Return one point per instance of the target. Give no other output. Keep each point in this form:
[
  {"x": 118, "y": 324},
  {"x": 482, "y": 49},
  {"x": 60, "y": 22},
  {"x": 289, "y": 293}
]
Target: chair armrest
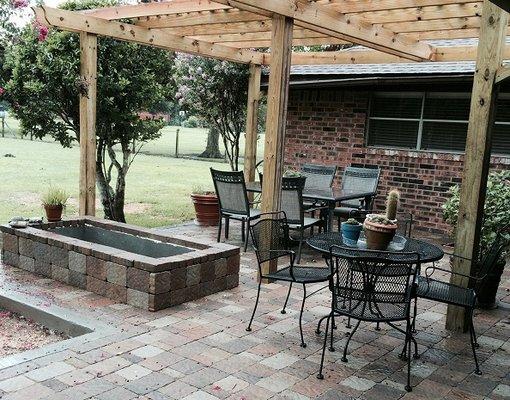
[
  {"x": 283, "y": 253},
  {"x": 458, "y": 256},
  {"x": 434, "y": 268}
]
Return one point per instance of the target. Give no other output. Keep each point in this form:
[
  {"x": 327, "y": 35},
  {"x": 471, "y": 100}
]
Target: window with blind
[{"x": 431, "y": 121}]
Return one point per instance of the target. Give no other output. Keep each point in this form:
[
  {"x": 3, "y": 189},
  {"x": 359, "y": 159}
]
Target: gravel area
[{"x": 18, "y": 334}]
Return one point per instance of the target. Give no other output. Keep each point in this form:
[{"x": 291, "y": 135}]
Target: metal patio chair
[
  {"x": 271, "y": 239},
  {"x": 358, "y": 179},
  {"x": 448, "y": 293},
  {"x": 318, "y": 177},
  {"x": 372, "y": 286},
  {"x": 291, "y": 202},
  {"x": 234, "y": 204}
]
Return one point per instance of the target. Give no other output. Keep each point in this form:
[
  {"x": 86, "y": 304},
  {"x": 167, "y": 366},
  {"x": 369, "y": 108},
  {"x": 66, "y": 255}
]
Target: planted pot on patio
[{"x": 207, "y": 208}]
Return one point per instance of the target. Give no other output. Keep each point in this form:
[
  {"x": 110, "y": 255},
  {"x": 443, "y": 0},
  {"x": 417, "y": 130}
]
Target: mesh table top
[{"x": 323, "y": 241}]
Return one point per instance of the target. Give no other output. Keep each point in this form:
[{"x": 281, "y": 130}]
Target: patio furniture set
[{"x": 372, "y": 286}]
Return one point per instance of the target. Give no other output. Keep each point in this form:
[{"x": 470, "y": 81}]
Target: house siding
[{"x": 328, "y": 126}]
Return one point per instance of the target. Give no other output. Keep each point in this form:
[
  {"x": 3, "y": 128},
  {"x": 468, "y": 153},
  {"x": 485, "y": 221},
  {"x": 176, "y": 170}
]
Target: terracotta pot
[
  {"x": 378, "y": 236},
  {"x": 207, "y": 209},
  {"x": 53, "y": 212}
]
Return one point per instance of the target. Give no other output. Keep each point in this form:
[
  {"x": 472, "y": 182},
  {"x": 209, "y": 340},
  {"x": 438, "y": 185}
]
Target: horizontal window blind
[{"x": 393, "y": 133}]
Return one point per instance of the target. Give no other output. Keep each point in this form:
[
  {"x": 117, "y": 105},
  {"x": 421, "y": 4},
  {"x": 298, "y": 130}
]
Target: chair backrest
[
  {"x": 360, "y": 179},
  {"x": 291, "y": 200},
  {"x": 318, "y": 176},
  {"x": 270, "y": 237},
  {"x": 231, "y": 191},
  {"x": 373, "y": 284},
  {"x": 491, "y": 258}
]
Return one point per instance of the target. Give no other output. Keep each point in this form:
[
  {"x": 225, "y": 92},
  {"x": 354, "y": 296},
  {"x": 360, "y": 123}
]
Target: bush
[
  {"x": 191, "y": 122},
  {"x": 496, "y": 211}
]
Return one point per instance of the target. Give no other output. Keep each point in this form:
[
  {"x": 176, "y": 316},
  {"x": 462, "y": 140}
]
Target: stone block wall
[
  {"x": 328, "y": 126},
  {"x": 141, "y": 281}
]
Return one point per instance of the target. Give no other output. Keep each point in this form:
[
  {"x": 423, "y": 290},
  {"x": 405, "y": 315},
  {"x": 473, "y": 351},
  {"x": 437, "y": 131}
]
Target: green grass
[{"x": 158, "y": 187}]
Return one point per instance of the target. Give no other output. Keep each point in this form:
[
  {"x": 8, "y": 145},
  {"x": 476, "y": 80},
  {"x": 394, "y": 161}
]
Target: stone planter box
[{"x": 199, "y": 269}]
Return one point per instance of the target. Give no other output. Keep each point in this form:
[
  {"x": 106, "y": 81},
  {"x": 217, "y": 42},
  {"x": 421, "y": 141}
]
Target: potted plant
[
  {"x": 351, "y": 229},
  {"x": 496, "y": 215},
  {"x": 207, "y": 207},
  {"x": 380, "y": 229},
  {"x": 54, "y": 201}
]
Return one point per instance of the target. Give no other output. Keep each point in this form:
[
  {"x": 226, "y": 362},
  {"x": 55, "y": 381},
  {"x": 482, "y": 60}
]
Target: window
[{"x": 431, "y": 121}]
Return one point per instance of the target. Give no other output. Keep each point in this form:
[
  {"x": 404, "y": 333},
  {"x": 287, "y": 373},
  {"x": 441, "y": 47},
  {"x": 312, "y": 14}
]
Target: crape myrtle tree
[
  {"x": 44, "y": 93},
  {"x": 216, "y": 91}
]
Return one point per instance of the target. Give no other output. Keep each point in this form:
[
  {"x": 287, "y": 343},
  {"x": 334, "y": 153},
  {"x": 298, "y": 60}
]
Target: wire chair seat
[
  {"x": 301, "y": 274},
  {"x": 433, "y": 289},
  {"x": 307, "y": 222}
]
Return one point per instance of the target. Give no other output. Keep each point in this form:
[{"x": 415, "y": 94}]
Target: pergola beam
[
  {"x": 72, "y": 21},
  {"x": 352, "y": 29},
  {"x": 154, "y": 8},
  {"x": 477, "y": 154},
  {"x": 356, "y": 6},
  {"x": 502, "y": 73}
]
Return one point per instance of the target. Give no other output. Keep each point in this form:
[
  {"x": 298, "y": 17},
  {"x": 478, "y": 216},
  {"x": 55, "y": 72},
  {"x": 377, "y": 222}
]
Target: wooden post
[
  {"x": 478, "y": 148},
  {"x": 277, "y": 97},
  {"x": 250, "y": 145},
  {"x": 177, "y": 143},
  {"x": 88, "y": 73}
]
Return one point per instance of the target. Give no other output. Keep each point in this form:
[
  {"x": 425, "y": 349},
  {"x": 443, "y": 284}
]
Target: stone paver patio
[{"x": 200, "y": 350}]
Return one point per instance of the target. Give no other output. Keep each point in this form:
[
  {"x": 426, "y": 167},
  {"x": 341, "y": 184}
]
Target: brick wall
[{"x": 328, "y": 127}]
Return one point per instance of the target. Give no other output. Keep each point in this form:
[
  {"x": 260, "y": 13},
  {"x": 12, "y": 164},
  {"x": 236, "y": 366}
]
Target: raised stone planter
[{"x": 142, "y": 281}]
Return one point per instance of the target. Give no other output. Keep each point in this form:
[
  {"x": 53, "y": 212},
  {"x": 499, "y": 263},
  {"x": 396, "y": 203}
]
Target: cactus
[{"x": 391, "y": 204}]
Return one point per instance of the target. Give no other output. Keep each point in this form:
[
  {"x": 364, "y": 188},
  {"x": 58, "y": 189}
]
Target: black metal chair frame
[
  {"x": 362, "y": 173},
  {"x": 425, "y": 287},
  {"x": 228, "y": 214},
  {"x": 272, "y": 255},
  {"x": 368, "y": 297},
  {"x": 298, "y": 184}
]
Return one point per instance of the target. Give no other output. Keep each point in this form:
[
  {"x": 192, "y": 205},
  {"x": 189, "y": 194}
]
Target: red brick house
[{"x": 408, "y": 119}]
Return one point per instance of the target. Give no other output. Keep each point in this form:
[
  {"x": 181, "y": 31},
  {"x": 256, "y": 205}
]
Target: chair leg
[
  {"x": 301, "y": 236},
  {"x": 227, "y": 226},
  {"x": 242, "y": 231},
  {"x": 472, "y": 336},
  {"x": 247, "y": 235},
  {"x": 344, "y": 358},
  {"x": 303, "y": 344},
  {"x": 312, "y": 214},
  {"x": 377, "y": 326},
  {"x": 318, "y": 330},
  {"x": 219, "y": 228},
  {"x": 248, "y": 329},
  {"x": 331, "y": 347},
  {"x": 413, "y": 326},
  {"x": 408, "y": 341},
  {"x": 319, "y": 375},
  {"x": 286, "y": 300}
]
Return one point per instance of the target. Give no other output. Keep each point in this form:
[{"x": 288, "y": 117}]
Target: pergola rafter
[{"x": 382, "y": 31}]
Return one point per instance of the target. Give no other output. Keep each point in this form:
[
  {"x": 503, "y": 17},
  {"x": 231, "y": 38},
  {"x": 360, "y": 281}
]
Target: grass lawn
[{"x": 158, "y": 187}]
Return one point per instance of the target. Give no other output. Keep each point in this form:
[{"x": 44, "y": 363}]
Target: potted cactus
[
  {"x": 380, "y": 229},
  {"x": 351, "y": 229},
  {"x": 54, "y": 201},
  {"x": 207, "y": 208}
]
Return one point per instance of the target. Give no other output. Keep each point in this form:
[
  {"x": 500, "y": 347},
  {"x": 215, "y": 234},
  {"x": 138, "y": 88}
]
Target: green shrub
[
  {"x": 55, "y": 197},
  {"x": 496, "y": 212},
  {"x": 191, "y": 122}
]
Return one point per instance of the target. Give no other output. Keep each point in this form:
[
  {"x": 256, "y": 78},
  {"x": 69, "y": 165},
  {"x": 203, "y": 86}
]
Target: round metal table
[{"x": 323, "y": 241}]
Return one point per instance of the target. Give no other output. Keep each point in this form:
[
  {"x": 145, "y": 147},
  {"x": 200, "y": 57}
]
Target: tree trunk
[{"x": 212, "y": 149}]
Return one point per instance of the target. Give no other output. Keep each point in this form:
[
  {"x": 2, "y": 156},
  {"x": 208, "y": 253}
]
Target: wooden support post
[
  {"x": 88, "y": 73},
  {"x": 277, "y": 97},
  {"x": 478, "y": 149},
  {"x": 250, "y": 144}
]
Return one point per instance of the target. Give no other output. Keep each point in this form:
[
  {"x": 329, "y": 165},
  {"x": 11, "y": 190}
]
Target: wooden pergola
[{"x": 385, "y": 31}]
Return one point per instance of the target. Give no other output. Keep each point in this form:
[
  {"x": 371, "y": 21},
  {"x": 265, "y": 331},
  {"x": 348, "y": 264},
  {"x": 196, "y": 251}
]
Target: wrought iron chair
[
  {"x": 234, "y": 204},
  {"x": 318, "y": 177},
  {"x": 372, "y": 286},
  {"x": 271, "y": 239},
  {"x": 449, "y": 293},
  {"x": 360, "y": 179},
  {"x": 291, "y": 202}
]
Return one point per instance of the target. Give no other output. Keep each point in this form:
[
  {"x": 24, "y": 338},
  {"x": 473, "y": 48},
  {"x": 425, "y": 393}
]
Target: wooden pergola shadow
[{"x": 385, "y": 31}]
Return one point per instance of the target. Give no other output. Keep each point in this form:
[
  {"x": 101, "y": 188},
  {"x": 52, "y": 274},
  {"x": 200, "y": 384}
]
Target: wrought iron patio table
[
  {"x": 330, "y": 196},
  {"x": 428, "y": 252}
]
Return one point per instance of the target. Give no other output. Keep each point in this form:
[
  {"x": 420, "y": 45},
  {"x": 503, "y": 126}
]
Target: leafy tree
[
  {"x": 217, "y": 91},
  {"x": 44, "y": 93}
]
